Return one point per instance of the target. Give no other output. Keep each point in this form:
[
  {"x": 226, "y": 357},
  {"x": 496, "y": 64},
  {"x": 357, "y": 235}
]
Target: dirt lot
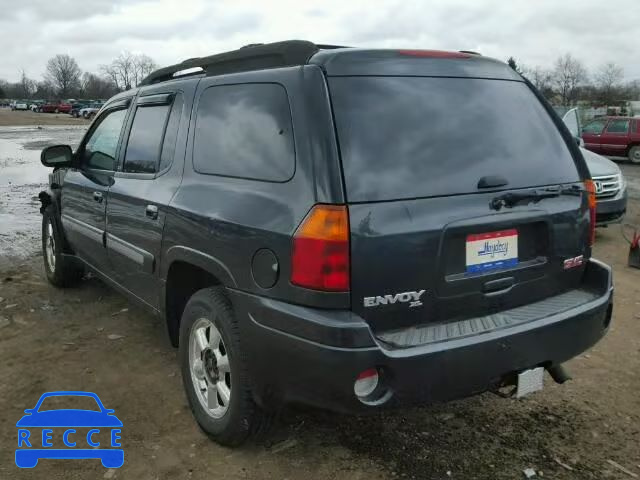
[
  {"x": 20, "y": 117},
  {"x": 60, "y": 339}
]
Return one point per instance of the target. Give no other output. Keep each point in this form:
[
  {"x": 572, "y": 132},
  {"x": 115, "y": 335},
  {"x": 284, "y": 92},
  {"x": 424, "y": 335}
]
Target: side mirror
[
  {"x": 579, "y": 141},
  {"x": 29, "y": 410},
  {"x": 56, "y": 156}
]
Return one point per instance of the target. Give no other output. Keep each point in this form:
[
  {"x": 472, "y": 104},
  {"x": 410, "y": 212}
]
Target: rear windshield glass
[{"x": 408, "y": 137}]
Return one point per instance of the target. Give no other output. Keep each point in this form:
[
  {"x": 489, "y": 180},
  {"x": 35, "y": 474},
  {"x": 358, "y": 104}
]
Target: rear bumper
[
  {"x": 611, "y": 210},
  {"x": 310, "y": 356}
]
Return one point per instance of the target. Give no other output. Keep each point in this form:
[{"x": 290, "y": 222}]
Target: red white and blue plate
[{"x": 492, "y": 251}]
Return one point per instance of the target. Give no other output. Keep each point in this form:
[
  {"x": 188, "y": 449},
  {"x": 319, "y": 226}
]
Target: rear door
[
  {"x": 615, "y": 138},
  {"x": 143, "y": 186},
  {"x": 591, "y": 134},
  {"x": 85, "y": 189},
  {"x": 424, "y": 158}
]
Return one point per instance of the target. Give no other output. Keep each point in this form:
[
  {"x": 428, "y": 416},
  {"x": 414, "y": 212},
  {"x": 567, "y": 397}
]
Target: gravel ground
[{"x": 60, "y": 339}]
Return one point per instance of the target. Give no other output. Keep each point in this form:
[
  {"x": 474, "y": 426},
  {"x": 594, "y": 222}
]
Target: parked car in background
[
  {"x": 614, "y": 136},
  {"x": 35, "y": 105},
  {"x": 51, "y": 107},
  {"x": 91, "y": 110},
  {"x": 20, "y": 105},
  {"x": 609, "y": 182},
  {"x": 75, "y": 109},
  {"x": 611, "y": 188}
]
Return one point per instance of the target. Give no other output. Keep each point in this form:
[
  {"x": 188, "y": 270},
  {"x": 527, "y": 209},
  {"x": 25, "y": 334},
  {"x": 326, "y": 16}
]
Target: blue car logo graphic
[{"x": 36, "y": 433}]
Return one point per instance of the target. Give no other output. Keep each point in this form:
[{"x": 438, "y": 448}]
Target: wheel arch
[
  {"x": 50, "y": 198},
  {"x": 635, "y": 143},
  {"x": 185, "y": 271}
]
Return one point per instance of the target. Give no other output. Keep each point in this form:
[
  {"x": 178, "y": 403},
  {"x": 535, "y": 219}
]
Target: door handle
[
  {"x": 97, "y": 196},
  {"x": 152, "y": 212}
]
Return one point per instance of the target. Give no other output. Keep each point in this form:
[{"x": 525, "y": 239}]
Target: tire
[
  {"x": 634, "y": 154},
  {"x": 61, "y": 270},
  {"x": 242, "y": 418}
]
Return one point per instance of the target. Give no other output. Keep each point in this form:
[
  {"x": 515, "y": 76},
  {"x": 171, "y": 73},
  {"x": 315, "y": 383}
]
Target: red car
[
  {"x": 55, "y": 108},
  {"x": 614, "y": 136}
]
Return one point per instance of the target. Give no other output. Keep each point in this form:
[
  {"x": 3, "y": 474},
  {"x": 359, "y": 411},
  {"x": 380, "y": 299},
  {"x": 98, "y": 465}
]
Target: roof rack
[{"x": 255, "y": 56}]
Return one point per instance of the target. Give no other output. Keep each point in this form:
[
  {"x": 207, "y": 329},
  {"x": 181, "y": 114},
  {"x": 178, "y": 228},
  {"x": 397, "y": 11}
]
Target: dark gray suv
[{"x": 338, "y": 227}]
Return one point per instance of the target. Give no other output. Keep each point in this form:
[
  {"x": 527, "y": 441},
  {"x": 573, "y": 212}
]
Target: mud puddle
[{"x": 22, "y": 177}]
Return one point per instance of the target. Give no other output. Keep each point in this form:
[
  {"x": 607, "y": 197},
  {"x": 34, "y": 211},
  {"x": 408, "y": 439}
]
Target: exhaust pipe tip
[{"x": 559, "y": 373}]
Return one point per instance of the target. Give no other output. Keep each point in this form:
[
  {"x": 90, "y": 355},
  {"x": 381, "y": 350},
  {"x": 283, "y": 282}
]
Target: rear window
[{"x": 407, "y": 137}]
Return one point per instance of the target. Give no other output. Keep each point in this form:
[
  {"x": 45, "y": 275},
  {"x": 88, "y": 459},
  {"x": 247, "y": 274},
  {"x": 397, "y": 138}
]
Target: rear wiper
[{"x": 511, "y": 199}]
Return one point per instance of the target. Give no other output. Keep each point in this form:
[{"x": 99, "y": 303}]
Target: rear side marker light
[
  {"x": 591, "y": 194},
  {"x": 320, "y": 252},
  {"x": 366, "y": 383}
]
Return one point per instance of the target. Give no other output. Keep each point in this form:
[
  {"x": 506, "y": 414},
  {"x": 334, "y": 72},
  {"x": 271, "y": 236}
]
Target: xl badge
[{"x": 412, "y": 298}]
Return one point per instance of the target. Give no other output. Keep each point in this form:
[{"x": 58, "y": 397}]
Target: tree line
[
  {"x": 568, "y": 81},
  {"x": 63, "y": 79}
]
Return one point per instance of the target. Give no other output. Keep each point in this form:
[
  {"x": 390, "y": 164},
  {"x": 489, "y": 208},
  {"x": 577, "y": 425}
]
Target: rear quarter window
[
  {"x": 244, "y": 131},
  {"x": 410, "y": 137}
]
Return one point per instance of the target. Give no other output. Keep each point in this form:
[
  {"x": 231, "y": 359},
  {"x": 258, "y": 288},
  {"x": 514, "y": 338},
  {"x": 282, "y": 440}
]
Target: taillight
[
  {"x": 591, "y": 193},
  {"x": 320, "y": 252}
]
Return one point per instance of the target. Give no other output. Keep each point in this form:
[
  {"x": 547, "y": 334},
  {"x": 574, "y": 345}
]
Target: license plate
[
  {"x": 530, "y": 381},
  {"x": 492, "y": 251}
]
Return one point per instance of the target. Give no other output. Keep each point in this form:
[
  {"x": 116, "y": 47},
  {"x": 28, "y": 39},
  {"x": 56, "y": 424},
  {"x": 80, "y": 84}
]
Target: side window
[
  {"x": 171, "y": 135},
  {"x": 100, "y": 149},
  {"x": 245, "y": 131},
  {"x": 618, "y": 126},
  {"x": 594, "y": 127},
  {"x": 145, "y": 139}
]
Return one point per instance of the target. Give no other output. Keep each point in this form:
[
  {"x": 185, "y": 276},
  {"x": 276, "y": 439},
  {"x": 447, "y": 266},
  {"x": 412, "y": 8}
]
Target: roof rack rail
[
  {"x": 470, "y": 52},
  {"x": 255, "y": 56}
]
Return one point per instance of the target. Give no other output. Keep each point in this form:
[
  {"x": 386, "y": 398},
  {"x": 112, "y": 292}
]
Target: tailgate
[{"x": 420, "y": 261}]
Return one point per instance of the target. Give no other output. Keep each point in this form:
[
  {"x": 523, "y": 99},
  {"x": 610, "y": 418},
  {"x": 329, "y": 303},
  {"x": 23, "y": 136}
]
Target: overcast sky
[{"x": 535, "y": 32}]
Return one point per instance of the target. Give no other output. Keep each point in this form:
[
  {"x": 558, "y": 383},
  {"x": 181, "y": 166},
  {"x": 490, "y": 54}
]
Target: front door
[
  {"x": 142, "y": 188},
  {"x": 615, "y": 137},
  {"x": 591, "y": 133},
  {"x": 85, "y": 190}
]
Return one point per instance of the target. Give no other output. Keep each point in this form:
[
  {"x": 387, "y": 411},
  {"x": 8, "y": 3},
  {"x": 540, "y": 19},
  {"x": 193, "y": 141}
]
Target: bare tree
[
  {"x": 44, "y": 90},
  {"x": 540, "y": 78},
  {"x": 64, "y": 74},
  {"x": 96, "y": 87},
  {"x": 27, "y": 87},
  {"x": 128, "y": 70},
  {"x": 608, "y": 79},
  {"x": 568, "y": 74},
  {"x": 143, "y": 66}
]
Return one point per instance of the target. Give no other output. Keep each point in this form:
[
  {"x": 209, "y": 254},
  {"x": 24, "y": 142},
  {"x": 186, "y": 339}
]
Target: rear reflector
[
  {"x": 320, "y": 255},
  {"x": 433, "y": 54},
  {"x": 366, "y": 383},
  {"x": 591, "y": 193}
]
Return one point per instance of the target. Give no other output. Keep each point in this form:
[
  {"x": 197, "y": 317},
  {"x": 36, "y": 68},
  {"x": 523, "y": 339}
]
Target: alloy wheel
[
  {"x": 50, "y": 248},
  {"x": 210, "y": 368}
]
